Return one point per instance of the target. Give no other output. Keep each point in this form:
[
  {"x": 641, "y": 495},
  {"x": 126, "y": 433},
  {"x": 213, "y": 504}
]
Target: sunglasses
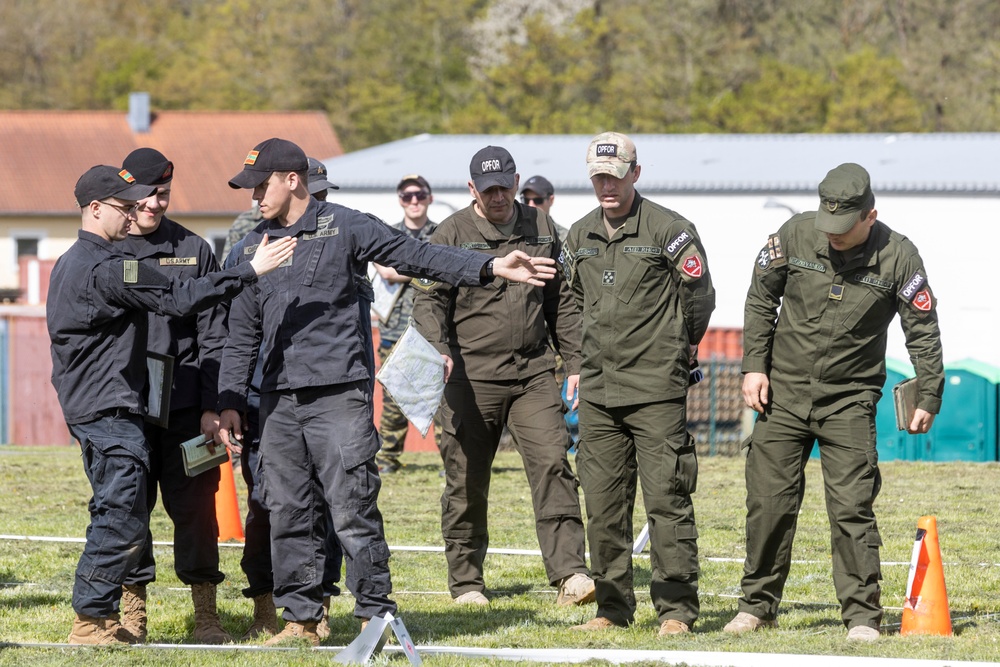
[
  {"x": 407, "y": 197},
  {"x": 537, "y": 201}
]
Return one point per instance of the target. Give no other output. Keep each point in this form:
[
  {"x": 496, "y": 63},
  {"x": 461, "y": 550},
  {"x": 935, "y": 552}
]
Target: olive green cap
[{"x": 843, "y": 194}]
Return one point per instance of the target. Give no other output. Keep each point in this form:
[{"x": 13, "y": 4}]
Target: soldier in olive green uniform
[
  {"x": 814, "y": 372},
  {"x": 640, "y": 274},
  {"x": 495, "y": 345}
]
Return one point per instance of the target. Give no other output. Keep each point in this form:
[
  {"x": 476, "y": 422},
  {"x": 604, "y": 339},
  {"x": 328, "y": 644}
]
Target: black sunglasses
[
  {"x": 407, "y": 197},
  {"x": 537, "y": 201}
]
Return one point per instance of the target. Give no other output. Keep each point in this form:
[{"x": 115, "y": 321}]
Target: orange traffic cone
[
  {"x": 227, "y": 506},
  {"x": 925, "y": 611}
]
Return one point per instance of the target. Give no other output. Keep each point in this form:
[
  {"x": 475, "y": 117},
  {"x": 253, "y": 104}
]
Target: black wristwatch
[{"x": 489, "y": 268}]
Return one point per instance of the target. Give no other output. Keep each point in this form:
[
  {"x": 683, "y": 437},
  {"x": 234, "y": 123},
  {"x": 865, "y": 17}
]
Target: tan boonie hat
[
  {"x": 610, "y": 153},
  {"x": 843, "y": 194}
]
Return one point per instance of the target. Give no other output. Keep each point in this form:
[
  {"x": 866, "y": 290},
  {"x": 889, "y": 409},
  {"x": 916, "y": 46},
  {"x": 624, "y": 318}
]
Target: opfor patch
[{"x": 912, "y": 286}]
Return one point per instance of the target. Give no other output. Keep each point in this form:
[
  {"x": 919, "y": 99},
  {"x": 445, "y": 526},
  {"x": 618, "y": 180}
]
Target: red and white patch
[
  {"x": 922, "y": 301},
  {"x": 692, "y": 266}
]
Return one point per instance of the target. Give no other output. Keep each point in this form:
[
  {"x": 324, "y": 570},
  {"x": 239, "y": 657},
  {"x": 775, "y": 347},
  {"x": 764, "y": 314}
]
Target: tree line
[{"x": 387, "y": 69}]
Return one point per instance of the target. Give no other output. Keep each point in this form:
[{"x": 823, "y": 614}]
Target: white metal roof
[{"x": 936, "y": 163}]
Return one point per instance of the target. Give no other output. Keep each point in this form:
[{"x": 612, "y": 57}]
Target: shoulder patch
[
  {"x": 691, "y": 266},
  {"x": 771, "y": 254},
  {"x": 131, "y": 271},
  {"x": 679, "y": 243},
  {"x": 424, "y": 284},
  {"x": 250, "y": 249},
  {"x": 923, "y": 300},
  {"x": 912, "y": 287}
]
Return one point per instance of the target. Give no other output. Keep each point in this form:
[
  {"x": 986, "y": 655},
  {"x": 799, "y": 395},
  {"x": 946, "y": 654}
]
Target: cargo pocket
[{"x": 685, "y": 465}]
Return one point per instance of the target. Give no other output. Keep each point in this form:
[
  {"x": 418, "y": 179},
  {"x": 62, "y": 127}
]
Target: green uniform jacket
[
  {"x": 646, "y": 296},
  {"x": 828, "y": 348},
  {"x": 500, "y": 331}
]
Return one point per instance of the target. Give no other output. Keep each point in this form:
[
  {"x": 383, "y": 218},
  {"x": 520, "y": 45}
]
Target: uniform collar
[
  {"x": 160, "y": 241},
  {"x": 630, "y": 228},
  {"x": 305, "y": 223},
  {"x": 490, "y": 231},
  {"x": 100, "y": 241}
]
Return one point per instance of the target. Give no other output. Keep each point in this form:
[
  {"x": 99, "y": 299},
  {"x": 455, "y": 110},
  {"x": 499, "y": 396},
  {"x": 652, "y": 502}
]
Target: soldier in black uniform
[
  {"x": 495, "y": 343},
  {"x": 195, "y": 343},
  {"x": 97, "y": 320},
  {"x": 316, "y": 394}
]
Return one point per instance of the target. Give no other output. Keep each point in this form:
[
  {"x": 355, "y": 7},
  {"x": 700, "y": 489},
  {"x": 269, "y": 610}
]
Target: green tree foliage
[{"x": 388, "y": 69}]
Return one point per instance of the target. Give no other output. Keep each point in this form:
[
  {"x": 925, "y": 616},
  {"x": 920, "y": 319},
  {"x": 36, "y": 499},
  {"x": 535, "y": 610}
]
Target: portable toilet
[
  {"x": 893, "y": 444},
  {"x": 966, "y": 428}
]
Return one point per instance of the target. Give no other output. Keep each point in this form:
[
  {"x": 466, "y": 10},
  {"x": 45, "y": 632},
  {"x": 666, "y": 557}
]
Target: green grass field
[{"x": 43, "y": 492}]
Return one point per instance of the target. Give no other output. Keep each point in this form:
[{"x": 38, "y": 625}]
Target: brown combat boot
[
  {"x": 323, "y": 627},
  {"x": 296, "y": 633},
  {"x": 133, "y": 614},
  {"x": 265, "y": 618},
  {"x": 207, "y": 626},
  {"x": 94, "y": 631}
]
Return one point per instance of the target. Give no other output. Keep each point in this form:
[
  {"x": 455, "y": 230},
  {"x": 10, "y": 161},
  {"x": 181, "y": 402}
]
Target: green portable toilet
[
  {"x": 893, "y": 444},
  {"x": 966, "y": 429}
]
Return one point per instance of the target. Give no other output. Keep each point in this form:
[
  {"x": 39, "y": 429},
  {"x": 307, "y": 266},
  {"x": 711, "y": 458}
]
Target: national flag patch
[{"x": 251, "y": 158}]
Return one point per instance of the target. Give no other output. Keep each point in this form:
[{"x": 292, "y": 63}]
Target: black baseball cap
[
  {"x": 267, "y": 157},
  {"x": 413, "y": 179},
  {"x": 491, "y": 166},
  {"x": 149, "y": 166},
  {"x": 103, "y": 181},
  {"x": 317, "y": 177},
  {"x": 539, "y": 184}
]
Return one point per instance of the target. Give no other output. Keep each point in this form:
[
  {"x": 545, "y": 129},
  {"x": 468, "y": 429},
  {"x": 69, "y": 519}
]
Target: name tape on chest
[
  {"x": 874, "y": 281},
  {"x": 321, "y": 233},
  {"x": 642, "y": 250},
  {"x": 479, "y": 245},
  {"x": 537, "y": 240},
  {"x": 587, "y": 252},
  {"x": 805, "y": 264},
  {"x": 178, "y": 261}
]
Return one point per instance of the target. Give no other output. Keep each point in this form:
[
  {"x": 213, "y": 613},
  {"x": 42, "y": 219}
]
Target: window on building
[{"x": 26, "y": 246}]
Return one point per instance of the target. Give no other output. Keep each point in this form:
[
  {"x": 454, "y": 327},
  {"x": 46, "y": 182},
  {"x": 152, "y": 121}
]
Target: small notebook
[
  {"x": 198, "y": 458},
  {"x": 904, "y": 396}
]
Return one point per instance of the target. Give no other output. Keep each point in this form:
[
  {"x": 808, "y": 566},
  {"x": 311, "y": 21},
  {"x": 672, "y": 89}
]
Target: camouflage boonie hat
[
  {"x": 610, "y": 153},
  {"x": 843, "y": 195}
]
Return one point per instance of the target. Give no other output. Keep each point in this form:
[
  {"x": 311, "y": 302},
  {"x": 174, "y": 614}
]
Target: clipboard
[{"x": 159, "y": 381}]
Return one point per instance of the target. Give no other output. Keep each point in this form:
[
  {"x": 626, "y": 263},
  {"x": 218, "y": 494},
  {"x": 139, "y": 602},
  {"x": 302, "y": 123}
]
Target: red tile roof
[{"x": 43, "y": 153}]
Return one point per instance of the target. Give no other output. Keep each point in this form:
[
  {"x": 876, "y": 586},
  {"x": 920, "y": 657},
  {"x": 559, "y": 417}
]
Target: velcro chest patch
[{"x": 178, "y": 261}]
